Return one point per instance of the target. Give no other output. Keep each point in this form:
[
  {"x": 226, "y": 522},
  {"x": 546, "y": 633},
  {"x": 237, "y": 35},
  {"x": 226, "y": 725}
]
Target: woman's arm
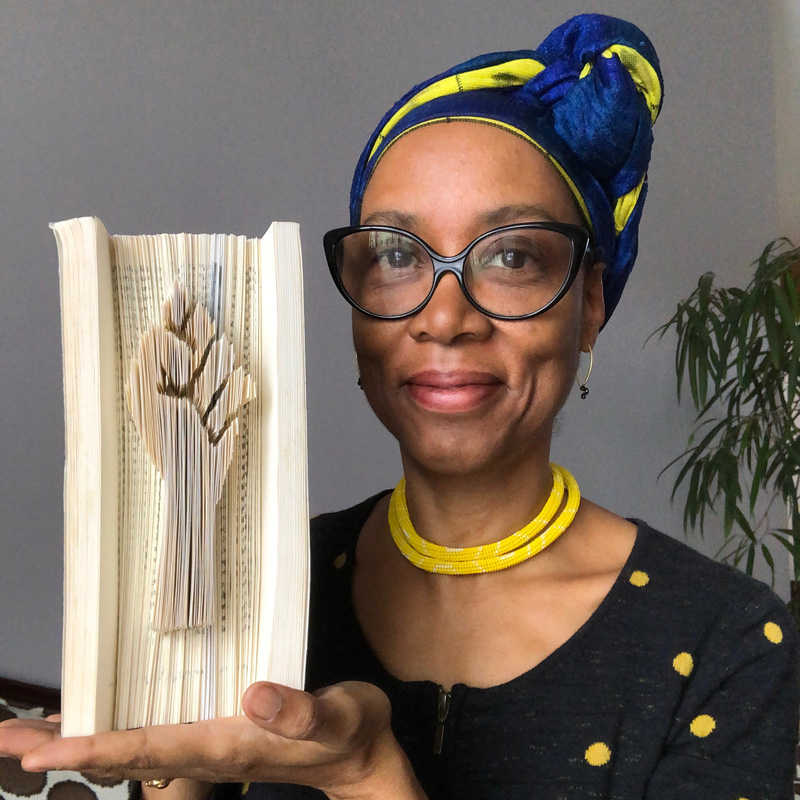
[{"x": 338, "y": 740}]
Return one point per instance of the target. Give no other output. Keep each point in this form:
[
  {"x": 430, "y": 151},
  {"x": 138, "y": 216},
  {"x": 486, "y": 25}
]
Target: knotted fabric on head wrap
[{"x": 586, "y": 99}]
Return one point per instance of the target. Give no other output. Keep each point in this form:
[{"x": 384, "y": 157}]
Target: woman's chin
[{"x": 440, "y": 453}]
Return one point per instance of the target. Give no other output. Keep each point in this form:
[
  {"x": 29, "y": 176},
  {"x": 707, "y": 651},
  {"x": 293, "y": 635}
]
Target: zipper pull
[{"x": 442, "y": 710}]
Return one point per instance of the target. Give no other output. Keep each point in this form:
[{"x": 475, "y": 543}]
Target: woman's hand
[{"x": 337, "y": 740}]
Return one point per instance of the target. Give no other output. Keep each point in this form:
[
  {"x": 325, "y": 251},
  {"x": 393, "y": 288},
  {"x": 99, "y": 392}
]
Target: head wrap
[{"x": 586, "y": 99}]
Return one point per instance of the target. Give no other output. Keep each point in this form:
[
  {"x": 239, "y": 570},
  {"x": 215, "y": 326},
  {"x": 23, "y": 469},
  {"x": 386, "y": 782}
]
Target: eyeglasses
[{"x": 513, "y": 272}]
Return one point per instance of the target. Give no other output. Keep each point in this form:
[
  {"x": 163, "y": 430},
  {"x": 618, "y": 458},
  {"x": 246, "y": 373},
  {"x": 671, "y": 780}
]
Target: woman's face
[{"x": 460, "y": 391}]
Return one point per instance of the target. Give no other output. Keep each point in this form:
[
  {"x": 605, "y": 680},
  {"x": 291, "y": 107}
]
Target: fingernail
[
  {"x": 33, "y": 765},
  {"x": 267, "y": 703}
]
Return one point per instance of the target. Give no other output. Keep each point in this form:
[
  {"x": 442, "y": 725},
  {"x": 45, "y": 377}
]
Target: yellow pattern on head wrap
[
  {"x": 644, "y": 75},
  {"x": 511, "y": 73}
]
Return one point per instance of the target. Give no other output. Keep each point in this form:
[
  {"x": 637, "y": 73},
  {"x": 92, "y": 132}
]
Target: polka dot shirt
[{"x": 682, "y": 684}]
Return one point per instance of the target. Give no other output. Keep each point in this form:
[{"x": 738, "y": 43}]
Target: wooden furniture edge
[{"x": 30, "y": 695}]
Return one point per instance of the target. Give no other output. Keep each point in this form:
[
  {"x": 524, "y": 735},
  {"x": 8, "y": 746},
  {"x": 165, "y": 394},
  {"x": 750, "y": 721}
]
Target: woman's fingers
[
  {"x": 326, "y": 740},
  {"x": 263, "y": 701},
  {"x": 336, "y": 716},
  {"x": 141, "y": 750},
  {"x": 19, "y": 736}
]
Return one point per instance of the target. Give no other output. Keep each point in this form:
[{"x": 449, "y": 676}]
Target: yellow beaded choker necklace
[{"x": 540, "y": 532}]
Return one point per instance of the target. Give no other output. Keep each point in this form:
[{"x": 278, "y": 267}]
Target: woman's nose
[{"x": 449, "y": 315}]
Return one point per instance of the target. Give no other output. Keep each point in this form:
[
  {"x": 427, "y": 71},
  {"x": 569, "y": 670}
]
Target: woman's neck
[{"x": 464, "y": 510}]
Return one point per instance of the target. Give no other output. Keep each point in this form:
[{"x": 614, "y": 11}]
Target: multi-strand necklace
[{"x": 540, "y": 532}]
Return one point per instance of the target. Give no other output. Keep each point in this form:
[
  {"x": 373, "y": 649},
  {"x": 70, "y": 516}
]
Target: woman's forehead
[{"x": 470, "y": 169}]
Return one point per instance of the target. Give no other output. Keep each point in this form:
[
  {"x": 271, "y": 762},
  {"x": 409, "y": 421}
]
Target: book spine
[{"x": 90, "y": 477}]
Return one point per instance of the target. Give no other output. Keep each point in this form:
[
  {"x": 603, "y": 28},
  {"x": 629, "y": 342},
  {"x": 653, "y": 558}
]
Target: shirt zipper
[{"x": 442, "y": 710}]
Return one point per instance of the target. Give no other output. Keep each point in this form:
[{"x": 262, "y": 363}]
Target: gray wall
[{"x": 222, "y": 116}]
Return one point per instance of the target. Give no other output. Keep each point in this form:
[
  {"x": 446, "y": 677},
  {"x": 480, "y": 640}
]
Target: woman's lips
[{"x": 451, "y": 391}]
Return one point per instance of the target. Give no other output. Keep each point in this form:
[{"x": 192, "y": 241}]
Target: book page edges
[
  {"x": 284, "y": 505},
  {"x": 91, "y": 479}
]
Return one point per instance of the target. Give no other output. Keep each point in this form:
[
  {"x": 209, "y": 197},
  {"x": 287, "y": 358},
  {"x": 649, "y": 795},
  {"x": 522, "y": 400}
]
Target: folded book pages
[{"x": 185, "y": 484}]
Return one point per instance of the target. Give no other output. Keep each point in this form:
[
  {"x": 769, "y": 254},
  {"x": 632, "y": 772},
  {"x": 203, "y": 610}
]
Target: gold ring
[{"x": 159, "y": 784}]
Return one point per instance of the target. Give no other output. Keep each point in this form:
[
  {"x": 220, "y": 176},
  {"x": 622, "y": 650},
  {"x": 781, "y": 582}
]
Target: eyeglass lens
[{"x": 508, "y": 273}]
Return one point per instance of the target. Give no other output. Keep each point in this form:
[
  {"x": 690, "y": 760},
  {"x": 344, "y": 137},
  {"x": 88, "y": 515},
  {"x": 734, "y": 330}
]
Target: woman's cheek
[{"x": 374, "y": 365}]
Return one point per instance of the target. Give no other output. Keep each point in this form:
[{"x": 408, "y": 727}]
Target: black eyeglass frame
[{"x": 579, "y": 239}]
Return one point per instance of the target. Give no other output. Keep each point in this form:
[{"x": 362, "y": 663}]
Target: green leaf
[
  {"x": 770, "y": 562},
  {"x": 773, "y": 336},
  {"x": 759, "y": 471},
  {"x": 703, "y": 368},
  {"x": 692, "y": 504},
  {"x": 791, "y": 289},
  {"x": 787, "y": 543},
  {"x": 751, "y": 557},
  {"x": 712, "y": 433},
  {"x": 791, "y": 384},
  {"x": 790, "y": 328},
  {"x": 704, "y": 289},
  {"x": 745, "y": 437},
  {"x": 744, "y": 524},
  {"x": 692, "y": 455},
  {"x": 744, "y": 332},
  {"x": 681, "y": 354}
]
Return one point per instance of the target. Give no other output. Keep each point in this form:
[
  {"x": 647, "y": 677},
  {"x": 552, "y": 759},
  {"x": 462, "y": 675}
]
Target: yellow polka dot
[
  {"x": 683, "y": 664},
  {"x": 598, "y": 754},
  {"x": 340, "y": 560},
  {"x": 639, "y": 578},
  {"x": 773, "y": 632},
  {"x": 702, "y": 726}
]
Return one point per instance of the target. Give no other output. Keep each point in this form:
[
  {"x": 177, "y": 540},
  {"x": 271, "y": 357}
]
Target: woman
[{"x": 591, "y": 657}]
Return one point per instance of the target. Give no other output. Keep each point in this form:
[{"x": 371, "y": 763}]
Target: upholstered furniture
[{"x": 27, "y": 701}]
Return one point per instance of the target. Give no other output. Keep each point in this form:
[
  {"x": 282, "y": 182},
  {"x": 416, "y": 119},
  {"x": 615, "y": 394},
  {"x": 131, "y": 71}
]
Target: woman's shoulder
[
  {"x": 332, "y": 523},
  {"x": 674, "y": 582},
  {"x": 675, "y": 561},
  {"x": 336, "y": 532}
]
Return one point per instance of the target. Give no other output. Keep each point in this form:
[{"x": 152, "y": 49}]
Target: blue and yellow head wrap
[{"x": 586, "y": 99}]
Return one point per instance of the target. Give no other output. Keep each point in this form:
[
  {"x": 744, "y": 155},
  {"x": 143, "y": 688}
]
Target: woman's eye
[
  {"x": 395, "y": 259},
  {"x": 513, "y": 258},
  {"x": 392, "y": 253}
]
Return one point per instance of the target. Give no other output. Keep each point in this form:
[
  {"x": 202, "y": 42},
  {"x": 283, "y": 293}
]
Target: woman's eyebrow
[
  {"x": 513, "y": 213},
  {"x": 397, "y": 219},
  {"x": 495, "y": 217}
]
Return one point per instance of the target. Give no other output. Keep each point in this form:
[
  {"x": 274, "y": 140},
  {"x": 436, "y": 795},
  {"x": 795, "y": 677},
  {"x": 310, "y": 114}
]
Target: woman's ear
[{"x": 594, "y": 307}]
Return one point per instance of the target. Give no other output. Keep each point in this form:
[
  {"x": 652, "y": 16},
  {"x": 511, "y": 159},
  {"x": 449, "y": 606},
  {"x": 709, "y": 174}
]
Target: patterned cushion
[{"x": 56, "y": 785}]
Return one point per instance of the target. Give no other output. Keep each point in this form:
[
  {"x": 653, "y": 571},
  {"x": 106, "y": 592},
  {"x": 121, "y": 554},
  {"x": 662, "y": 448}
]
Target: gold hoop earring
[{"x": 582, "y": 383}]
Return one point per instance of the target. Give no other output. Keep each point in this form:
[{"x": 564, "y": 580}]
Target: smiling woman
[
  {"x": 483, "y": 631},
  {"x": 461, "y": 391}
]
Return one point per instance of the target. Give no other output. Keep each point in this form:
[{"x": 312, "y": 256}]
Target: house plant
[{"x": 739, "y": 351}]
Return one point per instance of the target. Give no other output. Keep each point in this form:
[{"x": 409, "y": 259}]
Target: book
[{"x": 186, "y": 563}]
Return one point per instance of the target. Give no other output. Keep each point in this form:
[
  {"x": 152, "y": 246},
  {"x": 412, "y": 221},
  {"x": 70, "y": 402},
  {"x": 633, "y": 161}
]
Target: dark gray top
[{"x": 682, "y": 684}]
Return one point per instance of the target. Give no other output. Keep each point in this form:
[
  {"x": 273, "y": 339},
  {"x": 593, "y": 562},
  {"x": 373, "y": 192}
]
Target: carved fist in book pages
[{"x": 184, "y": 396}]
